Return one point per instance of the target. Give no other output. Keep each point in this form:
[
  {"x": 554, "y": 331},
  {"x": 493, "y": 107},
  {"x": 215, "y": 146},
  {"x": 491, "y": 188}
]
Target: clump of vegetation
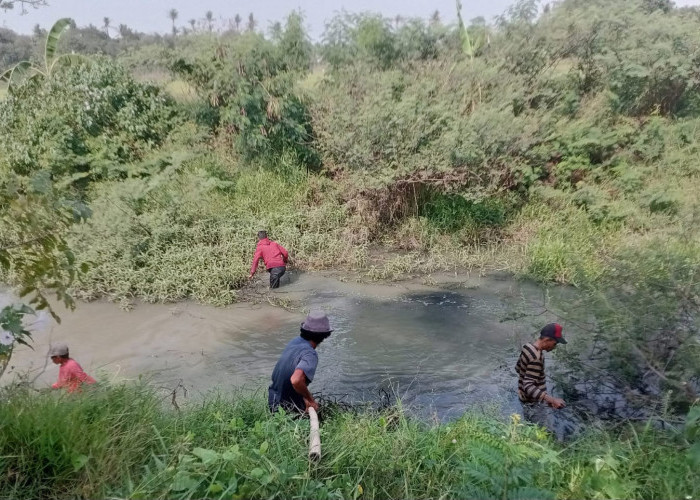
[{"x": 120, "y": 441}]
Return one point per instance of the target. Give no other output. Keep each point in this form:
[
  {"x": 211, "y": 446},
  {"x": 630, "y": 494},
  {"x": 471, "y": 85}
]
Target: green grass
[
  {"x": 123, "y": 442},
  {"x": 192, "y": 233},
  {"x": 3, "y": 91},
  {"x": 181, "y": 91}
]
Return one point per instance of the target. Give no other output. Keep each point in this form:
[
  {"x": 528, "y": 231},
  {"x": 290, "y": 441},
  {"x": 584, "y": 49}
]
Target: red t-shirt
[
  {"x": 71, "y": 375},
  {"x": 271, "y": 252}
]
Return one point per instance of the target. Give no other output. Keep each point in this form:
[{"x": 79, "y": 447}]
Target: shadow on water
[{"x": 443, "y": 351}]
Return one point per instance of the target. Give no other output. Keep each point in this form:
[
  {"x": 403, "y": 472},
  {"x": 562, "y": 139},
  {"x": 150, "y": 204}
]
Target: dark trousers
[
  {"x": 537, "y": 413},
  {"x": 275, "y": 274}
]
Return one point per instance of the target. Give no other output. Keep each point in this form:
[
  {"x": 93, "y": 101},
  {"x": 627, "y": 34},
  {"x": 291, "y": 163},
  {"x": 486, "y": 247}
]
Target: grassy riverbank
[{"x": 124, "y": 442}]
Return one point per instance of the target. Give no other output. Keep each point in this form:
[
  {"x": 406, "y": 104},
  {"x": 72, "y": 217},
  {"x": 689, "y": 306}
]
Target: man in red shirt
[
  {"x": 275, "y": 257},
  {"x": 70, "y": 374}
]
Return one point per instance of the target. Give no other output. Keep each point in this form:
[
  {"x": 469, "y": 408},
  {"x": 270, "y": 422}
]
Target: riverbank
[{"x": 124, "y": 441}]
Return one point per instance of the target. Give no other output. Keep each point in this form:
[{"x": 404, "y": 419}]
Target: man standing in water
[
  {"x": 275, "y": 257},
  {"x": 296, "y": 367},
  {"x": 532, "y": 385},
  {"x": 70, "y": 374}
]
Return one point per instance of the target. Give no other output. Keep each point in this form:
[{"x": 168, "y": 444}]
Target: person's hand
[
  {"x": 556, "y": 403},
  {"x": 250, "y": 276},
  {"x": 311, "y": 404}
]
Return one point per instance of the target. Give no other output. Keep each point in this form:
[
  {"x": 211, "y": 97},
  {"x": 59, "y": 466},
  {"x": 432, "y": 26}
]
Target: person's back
[
  {"x": 297, "y": 354},
  {"x": 296, "y": 367},
  {"x": 274, "y": 256}
]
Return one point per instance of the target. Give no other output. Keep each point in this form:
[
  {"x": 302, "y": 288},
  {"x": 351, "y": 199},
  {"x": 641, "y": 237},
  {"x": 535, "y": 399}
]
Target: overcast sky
[{"x": 152, "y": 15}]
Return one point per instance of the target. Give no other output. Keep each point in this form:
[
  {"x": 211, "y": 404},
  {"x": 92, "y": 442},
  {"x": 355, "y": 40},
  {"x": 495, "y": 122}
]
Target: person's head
[
  {"x": 262, "y": 235},
  {"x": 316, "y": 328},
  {"x": 58, "y": 353},
  {"x": 550, "y": 336}
]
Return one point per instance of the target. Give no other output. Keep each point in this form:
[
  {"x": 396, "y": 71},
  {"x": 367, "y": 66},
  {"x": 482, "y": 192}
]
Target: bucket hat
[{"x": 317, "y": 322}]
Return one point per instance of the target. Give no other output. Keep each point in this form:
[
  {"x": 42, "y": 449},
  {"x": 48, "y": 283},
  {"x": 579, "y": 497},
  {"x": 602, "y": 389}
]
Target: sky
[{"x": 152, "y": 15}]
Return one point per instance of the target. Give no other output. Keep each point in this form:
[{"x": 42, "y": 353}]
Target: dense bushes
[
  {"x": 190, "y": 232},
  {"x": 82, "y": 121},
  {"x": 250, "y": 82}
]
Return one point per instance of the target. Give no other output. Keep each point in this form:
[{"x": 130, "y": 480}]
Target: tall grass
[{"x": 124, "y": 442}]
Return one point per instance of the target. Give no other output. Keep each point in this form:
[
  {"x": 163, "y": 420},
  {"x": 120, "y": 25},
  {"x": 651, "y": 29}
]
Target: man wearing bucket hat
[
  {"x": 532, "y": 384},
  {"x": 296, "y": 367},
  {"x": 70, "y": 374}
]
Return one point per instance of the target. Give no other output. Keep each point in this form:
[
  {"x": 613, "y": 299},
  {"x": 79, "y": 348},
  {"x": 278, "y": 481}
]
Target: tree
[
  {"x": 209, "y": 16},
  {"x": 107, "y": 22},
  {"x": 238, "y": 21},
  {"x": 10, "y": 4},
  {"x": 435, "y": 18},
  {"x": 125, "y": 32},
  {"x": 294, "y": 43},
  {"x": 38, "y": 31},
  {"x": 375, "y": 41},
  {"x": 192, "y": 22},
  {"x": 398, "y": 19},
  {"x": 662, "y": 5},
  {"x": 34, "y": 218},
  {"x": 252, "y": 23},
  {"x": 172, "y": 14},
  {"x": 14, "y": 47},
  {"x": 276, "y": 31}
]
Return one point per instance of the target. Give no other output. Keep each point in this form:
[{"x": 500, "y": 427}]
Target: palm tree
[
  {"x": 398, "y": 19},
  {"x": 124, "y": 31},
  {"x": 238, "y": 20},
  {"x": 107, "y": 22},
  {"x": 209, "y": 16},
  {"x": 435, "y": 18},
  {"x": 192, "y": 23},
  {"x": 172, "y": 14},
  {"x": 251, "y": 22}
]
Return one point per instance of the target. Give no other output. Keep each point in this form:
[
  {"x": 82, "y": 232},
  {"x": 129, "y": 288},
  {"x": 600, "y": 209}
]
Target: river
[{"x": 443, "y": 348}]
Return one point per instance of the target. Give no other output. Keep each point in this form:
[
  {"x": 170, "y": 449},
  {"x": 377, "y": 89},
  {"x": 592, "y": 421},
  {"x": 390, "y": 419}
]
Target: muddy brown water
[{"x": 442, "y": 348}]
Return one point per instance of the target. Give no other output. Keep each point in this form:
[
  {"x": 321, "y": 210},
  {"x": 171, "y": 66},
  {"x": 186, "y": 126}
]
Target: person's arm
[
  {"x": 298, "y": 380},
  {"x": 61, "y": 382},
  {"x": 285, "y": 254},
  {"x": 256, "y": 260},
  {"x": 78, "y": 374}
]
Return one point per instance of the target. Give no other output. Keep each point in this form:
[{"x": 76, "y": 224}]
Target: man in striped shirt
[{"x": 532, "y": 385}]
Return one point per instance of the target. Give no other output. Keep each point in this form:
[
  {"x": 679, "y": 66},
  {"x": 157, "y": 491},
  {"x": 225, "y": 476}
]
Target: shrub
[{"x": 82, "y": 121}]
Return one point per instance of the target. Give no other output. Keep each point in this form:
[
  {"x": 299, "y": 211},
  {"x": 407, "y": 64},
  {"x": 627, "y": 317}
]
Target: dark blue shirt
[{"x": 297, "y": 354}]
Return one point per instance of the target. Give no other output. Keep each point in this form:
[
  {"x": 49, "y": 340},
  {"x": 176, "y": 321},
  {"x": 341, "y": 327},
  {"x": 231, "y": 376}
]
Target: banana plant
[
  {"x": 470, "y": 46},
  {"x": 51, "y": 60}
]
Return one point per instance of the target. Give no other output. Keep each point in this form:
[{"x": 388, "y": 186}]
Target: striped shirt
[{"x": 532, "y": 386}]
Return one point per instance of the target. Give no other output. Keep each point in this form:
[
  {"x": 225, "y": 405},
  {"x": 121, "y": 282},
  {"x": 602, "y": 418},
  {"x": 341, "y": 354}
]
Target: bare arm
[
  {"x": 256, "y": 260},
  {"x": 285, "y": 254},
  {"x": 298, "y": 380}
]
